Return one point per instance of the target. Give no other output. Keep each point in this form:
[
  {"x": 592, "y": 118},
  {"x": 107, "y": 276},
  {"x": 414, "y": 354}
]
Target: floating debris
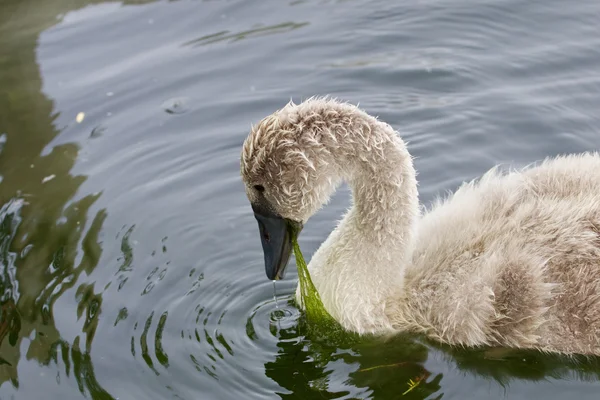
[
  {"x": 2, "y": 141},
  {"x": 412, "y": 384},
  {"x": 177, "y": 105},
  {"x": 80, "y": 117},
  {"x": 48, "y": 178}
]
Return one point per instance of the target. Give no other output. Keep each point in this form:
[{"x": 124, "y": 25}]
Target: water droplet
[
  {"x": 80, "y": 117},
  {"x": 177, "y": 105},
  {"x": 275, "y": 294},
  {"x": 281, "y": 314},
  {"x": 109, "y": 94}
]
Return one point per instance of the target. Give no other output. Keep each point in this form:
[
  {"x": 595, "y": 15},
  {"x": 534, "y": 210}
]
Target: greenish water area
[{"x": 130, "y": 262}]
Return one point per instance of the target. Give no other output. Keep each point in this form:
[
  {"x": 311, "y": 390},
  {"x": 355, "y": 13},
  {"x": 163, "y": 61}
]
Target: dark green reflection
[
  {"x": 506, "y": 365},
  {"x": 383, "y": 369},
  {"x": 40, "y": 226},
  {"x": 79, "y": 364}
]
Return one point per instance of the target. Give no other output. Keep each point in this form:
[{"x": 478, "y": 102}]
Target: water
[{"x": 131, "y": 265}]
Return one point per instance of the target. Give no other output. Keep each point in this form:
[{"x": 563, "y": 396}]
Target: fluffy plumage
[{"x": 512, "y": 259}]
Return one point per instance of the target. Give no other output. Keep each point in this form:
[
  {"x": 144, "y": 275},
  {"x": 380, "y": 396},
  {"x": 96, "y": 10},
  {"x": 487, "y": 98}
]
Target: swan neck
[
  {"x": 373, "y": 244},
  {"x": 361, "y": 264},
  {"x": 384, "y": 194}
]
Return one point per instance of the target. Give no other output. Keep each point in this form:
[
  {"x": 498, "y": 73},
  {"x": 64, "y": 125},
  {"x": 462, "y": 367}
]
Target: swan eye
[{"x": 259, "y": 188}]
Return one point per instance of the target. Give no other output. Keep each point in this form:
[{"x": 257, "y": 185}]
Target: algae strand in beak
[{"x": 316, "y": 314}]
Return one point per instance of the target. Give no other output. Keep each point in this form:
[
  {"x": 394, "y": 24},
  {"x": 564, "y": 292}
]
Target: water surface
[{"x": 130, "y": 263}]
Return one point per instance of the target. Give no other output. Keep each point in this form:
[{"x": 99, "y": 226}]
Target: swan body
[{"x": 512, "y": 259}]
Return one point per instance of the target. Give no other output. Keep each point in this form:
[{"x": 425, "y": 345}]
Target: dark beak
[{"x": 276, "y": 235}]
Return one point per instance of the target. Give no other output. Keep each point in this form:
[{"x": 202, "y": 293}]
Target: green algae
[{"x": 319, "y": 321}]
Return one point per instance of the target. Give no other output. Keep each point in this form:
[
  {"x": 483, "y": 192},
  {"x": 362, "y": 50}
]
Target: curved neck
[
  {"x": 385, "y": 198},
  {"x": 361, "y": 264},
  {"x": 385, "y": 206}
]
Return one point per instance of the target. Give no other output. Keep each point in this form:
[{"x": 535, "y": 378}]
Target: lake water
[{"x": 130, "y": 261}]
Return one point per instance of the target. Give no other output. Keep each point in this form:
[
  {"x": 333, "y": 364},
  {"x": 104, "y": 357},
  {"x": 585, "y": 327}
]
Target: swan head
[{"x": 289, "y": 171}]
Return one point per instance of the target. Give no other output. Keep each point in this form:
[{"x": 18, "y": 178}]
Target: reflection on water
[
  {"x": 77, "y": 364},
  {"x": 10, "y": 323},
  {"x": 250, "y": 33},
  {"x": 129, "y": 261},
  {"x": 47, "y": 239},
  {"x": 309, "y": 369}
]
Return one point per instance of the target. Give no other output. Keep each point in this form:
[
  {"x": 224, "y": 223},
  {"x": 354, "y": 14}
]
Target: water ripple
[
  {"x": 127, "y": 247},
  {"x": 246, "y": 34}
]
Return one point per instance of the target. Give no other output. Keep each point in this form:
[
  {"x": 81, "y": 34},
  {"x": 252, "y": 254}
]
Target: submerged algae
[{"x": 319, "y": 321}]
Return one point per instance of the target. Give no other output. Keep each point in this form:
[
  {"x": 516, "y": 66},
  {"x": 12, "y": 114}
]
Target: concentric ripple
[{"x": 130, "y": 262}]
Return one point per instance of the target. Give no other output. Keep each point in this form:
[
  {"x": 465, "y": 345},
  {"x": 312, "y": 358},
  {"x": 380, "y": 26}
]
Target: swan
[{"x": 510, "y": 260}]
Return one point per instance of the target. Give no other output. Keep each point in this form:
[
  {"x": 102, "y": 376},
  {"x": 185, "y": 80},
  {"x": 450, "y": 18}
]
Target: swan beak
[{"x": 276, "y": 237}]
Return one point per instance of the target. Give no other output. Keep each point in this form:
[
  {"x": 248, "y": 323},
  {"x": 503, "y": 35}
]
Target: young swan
[{"x": 510, "y": 260}]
